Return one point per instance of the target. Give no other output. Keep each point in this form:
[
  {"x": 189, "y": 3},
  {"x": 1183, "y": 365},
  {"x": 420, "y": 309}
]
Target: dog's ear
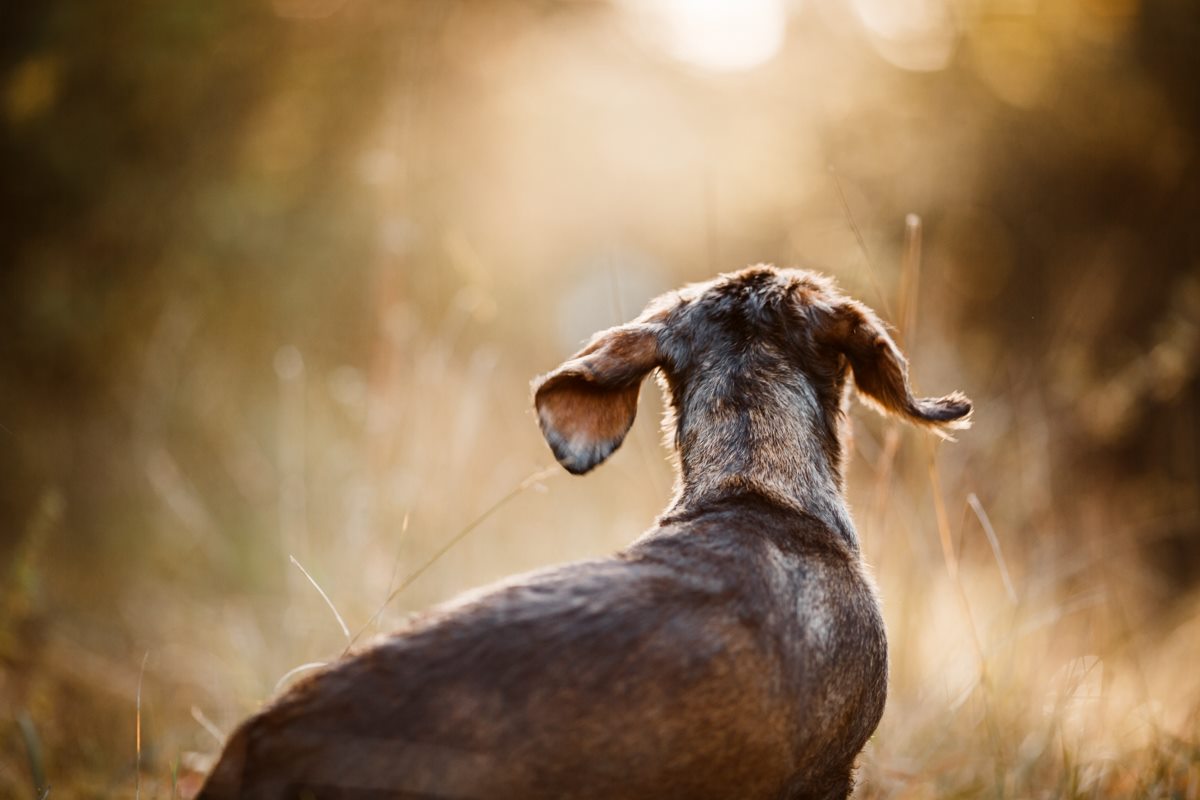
[
  {"x": 881, "y": 371},
  {"x": 587, "y": 405}
]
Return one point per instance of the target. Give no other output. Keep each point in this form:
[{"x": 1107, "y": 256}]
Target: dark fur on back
[{"x": 736, "y": 650}]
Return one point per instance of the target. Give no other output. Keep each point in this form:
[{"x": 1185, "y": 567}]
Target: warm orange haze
[{"x": 275, "y": 277}]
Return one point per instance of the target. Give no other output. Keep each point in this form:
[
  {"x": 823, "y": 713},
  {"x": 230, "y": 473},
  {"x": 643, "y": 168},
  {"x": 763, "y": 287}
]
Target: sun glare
[
  {"x": 717, "y": 35},
  {"x": 917, "y": 35}
]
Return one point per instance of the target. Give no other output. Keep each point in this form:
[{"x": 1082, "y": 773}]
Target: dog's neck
[{"x": 784, "y": 446}]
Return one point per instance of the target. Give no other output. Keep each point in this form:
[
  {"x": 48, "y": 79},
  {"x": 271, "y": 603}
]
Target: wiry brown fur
[{"x": 736, "y": 650}]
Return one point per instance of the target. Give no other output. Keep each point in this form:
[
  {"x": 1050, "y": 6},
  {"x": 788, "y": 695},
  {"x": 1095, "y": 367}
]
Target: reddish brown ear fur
[
  {"x": 881, "y": 372},
  {"x": 587, "y": 405}
]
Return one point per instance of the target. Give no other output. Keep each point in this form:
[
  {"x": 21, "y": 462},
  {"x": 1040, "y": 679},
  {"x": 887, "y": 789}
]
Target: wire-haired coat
[{"x": 736, "y": 650}]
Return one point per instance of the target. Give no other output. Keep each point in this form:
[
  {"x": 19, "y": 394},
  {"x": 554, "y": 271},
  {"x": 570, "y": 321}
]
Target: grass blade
[
  {"x": 137, "y": 731},
  {"x": 520, "y": 488},
  {"x": 981, "y": 515},
  {"x": 33, "y": 750},
  {"x": 325, "y": 597}
]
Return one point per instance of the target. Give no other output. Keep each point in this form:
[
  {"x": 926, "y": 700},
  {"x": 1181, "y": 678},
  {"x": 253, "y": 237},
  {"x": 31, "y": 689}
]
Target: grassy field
[
  {"x": 1023, "y": 663},
  {"x": 277, "y": 276}
]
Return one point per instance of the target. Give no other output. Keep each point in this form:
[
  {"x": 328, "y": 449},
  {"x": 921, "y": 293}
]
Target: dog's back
[{"x": 671, "y": 670}]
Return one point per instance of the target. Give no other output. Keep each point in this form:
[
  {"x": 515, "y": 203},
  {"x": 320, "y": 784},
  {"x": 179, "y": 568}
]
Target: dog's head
[{"x": 725, "y": 346}]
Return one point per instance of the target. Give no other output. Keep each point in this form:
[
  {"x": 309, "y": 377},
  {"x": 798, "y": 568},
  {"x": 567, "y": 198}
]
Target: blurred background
[{"x": 275, "y": 275}]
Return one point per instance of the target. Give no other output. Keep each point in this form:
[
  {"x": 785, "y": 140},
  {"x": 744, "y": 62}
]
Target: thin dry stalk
[
  {"x": 910, "y": 273},
  {"x": 981, "y": 515},
  {"x": 137, "y": 732},
  {"x": 910, "y": 280},
  {"x": 204, "y": 722},
  {"x": 862, "y": 243},
  {"x": 948, "y": 554},
  {"x": 311, "y": 665},
  {"x": 325, "y": 597},
  {"x": 527, "y": 483}
]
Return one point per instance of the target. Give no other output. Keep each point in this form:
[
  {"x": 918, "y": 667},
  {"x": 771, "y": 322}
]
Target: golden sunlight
[
  {"x": 917, "y": 35},
  {"x": 716, "y": 35},
  {"x": 279, "y": 277}
]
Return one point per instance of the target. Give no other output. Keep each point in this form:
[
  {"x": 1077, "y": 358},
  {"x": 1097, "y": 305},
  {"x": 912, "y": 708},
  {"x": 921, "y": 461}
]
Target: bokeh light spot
[
  {"x": 716, "y": 35},
  {"x": 916, "y": 35}
]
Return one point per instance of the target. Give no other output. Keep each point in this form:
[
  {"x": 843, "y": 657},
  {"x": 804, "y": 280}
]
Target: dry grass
[
  {"x": 1053, "y": 682},
  {"x": 432, "y": 202}
]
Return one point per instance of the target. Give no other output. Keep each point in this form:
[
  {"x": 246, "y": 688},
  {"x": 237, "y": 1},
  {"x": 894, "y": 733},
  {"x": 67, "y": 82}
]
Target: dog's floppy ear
[
  {"x": 587, "y": 405},
  {"x": 881, "y": 371}
]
